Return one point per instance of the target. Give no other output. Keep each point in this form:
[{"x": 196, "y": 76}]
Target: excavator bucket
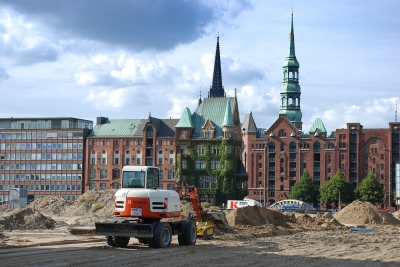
[{"x": 217, "y": 216}]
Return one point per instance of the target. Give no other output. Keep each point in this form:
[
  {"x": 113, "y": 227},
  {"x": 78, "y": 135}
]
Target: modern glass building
[{"x": 43, "y": 155}]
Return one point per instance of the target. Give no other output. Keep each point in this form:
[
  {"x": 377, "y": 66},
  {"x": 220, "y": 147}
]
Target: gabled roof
[
  {"x": 133, "y": 127},
  {"x": 318, "y": 124},
  {"x": 228, "y": 120},
  {"x": 214, "y": 110},
  {"x": 186, "y": 119},
  {"x": 280, "y": 120},
  {"x": 248, "y": 124}
]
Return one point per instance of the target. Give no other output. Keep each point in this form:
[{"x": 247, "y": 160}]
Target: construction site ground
[{"x": 55, "y": 232}]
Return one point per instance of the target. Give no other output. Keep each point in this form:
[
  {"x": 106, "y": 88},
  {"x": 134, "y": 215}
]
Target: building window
[
  {"x": 183, "y": 135},
  {"x": 171, "y": 161},
  {"x": 260, "y": 165},
  {"x": 382, "y": 156},
  {"x": 199, "y": 164},
  {"x": 115, "y": 174},
  {"x": 342, "y": 155},
  {"x": 214, "y": 165},
  {"x": 329, "y": 159},
  {"x": 92, "y": 186},
  {"x": 382, "y": 166},
  {"x": 115, "y": 185},
  {"x": 200, "y": 150},
  {"x": 160, "y": 161},
  {"x": 292, "y": 147},
  {"x": 373, "y": 160},
  {"x": 170, "y": 174},
  {"x": 282, "y": 147},
  {"x": 271, "y": 147},
  {"x": 229, "y": 150},
  {"x": 184, "y": 164},
  {"x": 103, "y": 174},
  {"x": 170, "y": 186},
  {"x": 282, "y": 133},
  {"x": 92, "y": 174},
  {"x": 183, "y": 150},
  {"x": 208, "y": 134},
  {"x": 161, "y": 174}
]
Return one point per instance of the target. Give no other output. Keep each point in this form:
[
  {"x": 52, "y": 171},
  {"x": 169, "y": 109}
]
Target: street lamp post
[{"x": 339, "y": 195}]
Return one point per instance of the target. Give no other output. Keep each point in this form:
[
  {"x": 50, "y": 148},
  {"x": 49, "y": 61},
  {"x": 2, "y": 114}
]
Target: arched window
[
  {"x": 116, "y": 157},
  {"x": 282, "y": 133},
  {"x": 317, "y": 147},
  {"x": 272, "y": 147},
  {"x": 282, "y": 147},
  {"x": 292, "y": 147}
]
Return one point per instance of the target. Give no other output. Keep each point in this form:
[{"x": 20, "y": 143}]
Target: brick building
[
  {"x": 43, "y": 155},
  {"x": 114, "y": 143},
  {"x": 209, "y": 145},
  {"x": 276, "y": 157}
]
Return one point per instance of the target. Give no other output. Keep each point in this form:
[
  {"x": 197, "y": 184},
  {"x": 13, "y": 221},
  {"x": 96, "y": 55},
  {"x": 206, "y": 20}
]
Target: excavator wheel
[
  {"x": 208, "y": 233},
  {"x": 162, "y": 235},
  {"x": 189, "y": 233},
  {"x": 110, "y": 241},
  {"x": 121, "y": 241}
]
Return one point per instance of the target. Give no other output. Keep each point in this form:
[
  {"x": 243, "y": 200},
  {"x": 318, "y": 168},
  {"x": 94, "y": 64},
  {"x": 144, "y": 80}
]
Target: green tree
[
  {"x": 305, "y": 189},
  {"x": 337, "y": 185},
  {"x": 369, "y": 189}
]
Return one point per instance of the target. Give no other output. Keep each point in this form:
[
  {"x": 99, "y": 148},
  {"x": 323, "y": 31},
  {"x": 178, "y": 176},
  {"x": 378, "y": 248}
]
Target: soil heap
[
  {"x": 320, "y": 222},
  {"x": 362, "y": 212},
  {"x": 93, "y": 206},
  {"x": 25, "y": 219},
  {"x": 256, "y": 216}
]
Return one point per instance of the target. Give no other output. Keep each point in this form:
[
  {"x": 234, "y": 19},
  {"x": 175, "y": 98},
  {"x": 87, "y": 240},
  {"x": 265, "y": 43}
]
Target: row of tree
[{"x": 337, "y": 190}]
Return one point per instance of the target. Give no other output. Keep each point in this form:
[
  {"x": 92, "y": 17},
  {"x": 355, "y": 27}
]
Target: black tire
[
  {"x": 110, "y": 241},
  {"x": 162, "y": 235},
  {"x": 189, "y": 234},
  {"x": 208, "y": 236},
  {"x": 121, "y": 241}
]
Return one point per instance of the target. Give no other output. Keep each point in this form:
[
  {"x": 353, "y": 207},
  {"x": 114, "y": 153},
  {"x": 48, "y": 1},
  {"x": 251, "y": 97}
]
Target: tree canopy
[
  {"x": 369, "y": 189},
  {"x": 337, "y": 185},
  {"x": 305, "y": 189}
]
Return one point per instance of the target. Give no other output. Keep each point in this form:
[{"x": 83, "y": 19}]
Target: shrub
[{"x": 97, "y": 207}]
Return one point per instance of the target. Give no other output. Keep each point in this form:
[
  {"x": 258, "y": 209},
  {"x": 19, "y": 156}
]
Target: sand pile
[
  {"x": 322, "y": 222},
  {"x": 50, "y": 204},
  {"x": 95, "y": 205},
  {"x": 256, "y": 216},
  {"x": 24, "y": 219},
  {"x": 362, "y": 212},
  {"x": 397, "y": 215}
]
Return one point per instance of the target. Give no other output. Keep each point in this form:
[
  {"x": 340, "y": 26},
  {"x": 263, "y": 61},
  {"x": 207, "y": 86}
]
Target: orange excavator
[{"x": 143, "y": 205}]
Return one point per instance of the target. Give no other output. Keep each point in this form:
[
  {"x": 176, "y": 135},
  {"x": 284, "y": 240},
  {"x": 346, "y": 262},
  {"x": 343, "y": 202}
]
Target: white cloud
[{"x": 106, "y": 100}]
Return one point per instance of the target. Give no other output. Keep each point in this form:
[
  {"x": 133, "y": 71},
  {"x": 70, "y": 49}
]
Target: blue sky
[{"x": 126, "y": 58}]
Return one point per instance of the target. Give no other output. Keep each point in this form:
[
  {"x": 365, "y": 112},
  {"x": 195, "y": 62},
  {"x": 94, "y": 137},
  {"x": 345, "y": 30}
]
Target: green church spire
[{"x": 290, "y": 90}]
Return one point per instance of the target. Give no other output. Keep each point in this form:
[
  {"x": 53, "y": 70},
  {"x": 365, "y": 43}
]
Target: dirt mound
[
  {"x": 324, "y": 222},
  {"x": 50, "y": 204},
  {"x": 362, "y": 212},
  {"x": 25, "y": 219},
  {"x": 397, "y": 215},
  {"x": 256, "y": 216}
]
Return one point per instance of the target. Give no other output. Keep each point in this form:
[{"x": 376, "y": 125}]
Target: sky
[{"x": 128, "y": 58}]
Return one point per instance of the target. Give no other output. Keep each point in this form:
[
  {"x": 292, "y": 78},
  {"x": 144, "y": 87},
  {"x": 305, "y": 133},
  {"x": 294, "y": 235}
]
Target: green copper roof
[
  {"x": 118, "y": 127},
  {"x": 213, "y": 109},
  {"x": 228, "y": 120},
  {"x": 133, "y": 127},
  {"x": 291, "y": 60},
  {"x": 318, "y": 124},
  {"x": 186, "y": 120}
]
